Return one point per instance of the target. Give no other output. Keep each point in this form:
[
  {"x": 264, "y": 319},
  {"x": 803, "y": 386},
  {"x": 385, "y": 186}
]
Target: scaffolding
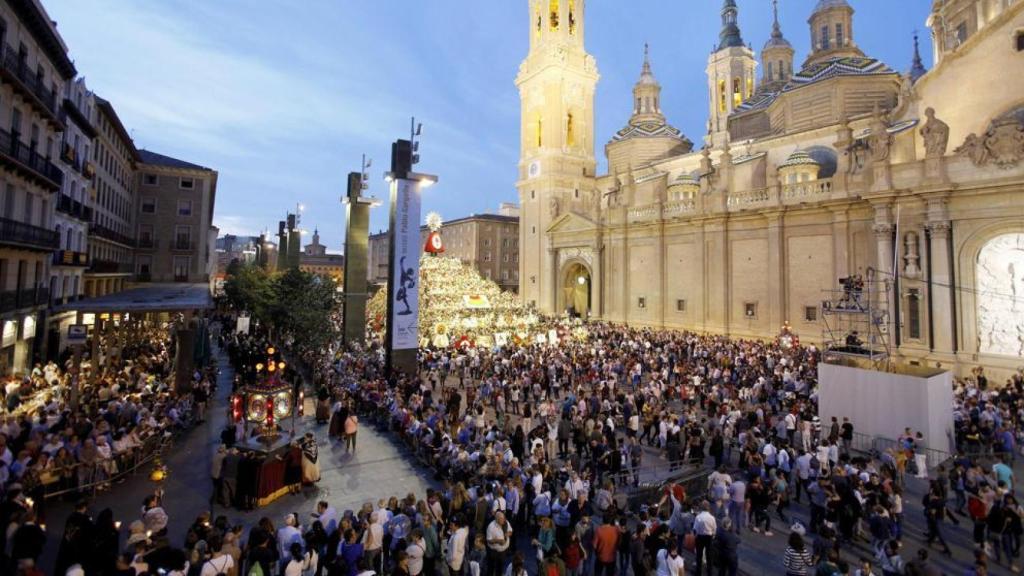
[{"x": 857, "y": 320}]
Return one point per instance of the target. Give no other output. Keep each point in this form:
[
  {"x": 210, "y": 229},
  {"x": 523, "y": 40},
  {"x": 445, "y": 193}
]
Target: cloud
[{"x": 239, "y": 225}]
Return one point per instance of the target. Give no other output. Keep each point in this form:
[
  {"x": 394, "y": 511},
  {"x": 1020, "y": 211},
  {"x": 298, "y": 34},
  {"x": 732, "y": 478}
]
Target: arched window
[
  {"x": 721, "y": 95},
  {"x": 572, "y": 17},
  {"x": 540, "y": 131},
  {"x": 768, "y": 72},
  {"x": 782, "y": 70},
  {"x": 553, "y": 17},
  {"x": 839, "y": 34},
  {"x": 71, "y": 236},
  {"x": 825, "y": 45},
  {"x": 570, "y": 131},
  {"x": 737, "y": 92},
  {"x": 750, "y": 84},
  {"x": 1020, "y": 41}
]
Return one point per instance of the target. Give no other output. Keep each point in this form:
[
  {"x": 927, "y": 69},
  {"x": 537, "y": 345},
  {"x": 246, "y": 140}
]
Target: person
[
  {"x": 921, "y": 566},
  {"x": 669, "y": 562},
  {"x": 75, "y": 542},
  {"x": 286, "y": 536},
  {"x": 726, "y": 546},
  {"x": 606, "y": 543},
  {"x": 455, "y": 550},
  {"x": 220, "y": 561},
  {"x": 416, "y": 551},
  {"x": 351, "y": 551},
  {"x": 27, "y": 541},
  {"x": 310, "y": 466},
  {"x": 798, "y": 559},
  {"x": 517, "y": 567},
  {"x": 889, "y": 559},
  {"x": 935, "y": 510},
  {"x": 351, "y": 427},
  {"x": 499, "y": 538},
  {"x": 705, "y": 527}
]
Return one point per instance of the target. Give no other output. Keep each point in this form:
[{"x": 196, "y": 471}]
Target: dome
[
  {"x": 777, "y": 42},
  {"x": 799, "y": 158},
  {"x": 687, "y": 178}
]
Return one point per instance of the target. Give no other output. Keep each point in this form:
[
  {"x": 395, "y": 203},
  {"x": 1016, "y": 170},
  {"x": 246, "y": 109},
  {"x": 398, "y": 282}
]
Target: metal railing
[
  {"x": 87, "y": 478},
  {"x": 110, "y": 267},
  {"x": 182, "y": 244},
  {"x": 73, "y": 208},
  {"x": 107, "y": 233},
  {"x": 14, "y": 67},
  {"x": 16, "y": 299},
  {"x": 878, "y": 445},
  {"x": 23, "y": 156},
  {"x": 27, "y": 235},
  {"x": 70, "y": 258}
]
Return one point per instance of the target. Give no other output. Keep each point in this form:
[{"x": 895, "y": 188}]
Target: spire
[
  {"x": 730, "y": 36},
  {"x": 646, "y": 76},
  {"x": 917, "y": 69},
  {"x": 777, "y": 38}
]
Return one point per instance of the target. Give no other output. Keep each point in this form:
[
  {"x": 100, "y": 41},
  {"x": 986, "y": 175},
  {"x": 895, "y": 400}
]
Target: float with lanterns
[{"x": 270, "y": 459}]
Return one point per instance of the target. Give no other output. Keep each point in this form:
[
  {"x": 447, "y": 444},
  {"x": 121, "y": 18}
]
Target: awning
[{"x": 149, "y": 298}]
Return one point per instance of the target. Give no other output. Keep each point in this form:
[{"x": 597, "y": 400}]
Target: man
[
  {"x": 727, "y": 545},
  {"x": 216, "y": 471},
  {"x": 499, "y": 538},
  {"x": 327, "y": 516},
  {"x": 606, "y": 544},
  {"x": 28, "y": 540},
  {"x": 705, "y": 527},
  {"x": 455, "y": 551},
  {"x": 1001, "y": 472},
  {"x": 846, "y": 435},
  {"x": 669, "y": 562}
]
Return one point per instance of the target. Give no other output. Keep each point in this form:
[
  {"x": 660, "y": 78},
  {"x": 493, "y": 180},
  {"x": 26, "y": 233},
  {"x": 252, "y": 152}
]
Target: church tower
[
  {"x": 730, "y": 75},
  {"x": 832, "y": 32},
  {"x": 556, "y": 85},
  {"x": 776, "y": 57}
]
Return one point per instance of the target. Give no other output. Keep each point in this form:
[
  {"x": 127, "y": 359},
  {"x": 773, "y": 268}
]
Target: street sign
[{"x": 77, "y": 334}]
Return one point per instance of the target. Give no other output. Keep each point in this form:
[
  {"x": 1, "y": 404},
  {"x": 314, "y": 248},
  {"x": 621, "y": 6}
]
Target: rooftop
[
  {"x": 150, "y": 298},
  {"x": 152, "y": 158}
]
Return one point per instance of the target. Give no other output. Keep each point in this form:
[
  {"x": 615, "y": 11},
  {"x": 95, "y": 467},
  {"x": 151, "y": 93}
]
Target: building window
[
  {"x": 487, "y": 257},
  {"x": 680, "y": 305},
  {"x": 184, "y": 207},
  {"x": 810, "y": 313},
  {"x": 1020, "y": 41},
  {"x": 148, "y": 206},
  {"x": 961, "y": 33},
  {"x": 721, "y": 96},
  {"x": 534, "y": 231},
  {"x": 750, "y": 310},
  {"x": 145, "y": 265},
  {"x": 839, "y": 34},
  {"x": 825, "y": 44},
  {"x": 641, "y": 302},
  {"x": 737, "y": 92},
  {"x": 181, "y": 265},
  {"x": 914, "y": 314},
  {"x": 150, "y": 179},
  {"x": 186, "y": 183},
  {"x": 183, "y": 237}
]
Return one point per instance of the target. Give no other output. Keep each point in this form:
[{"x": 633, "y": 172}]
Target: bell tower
[
  {"x": 556, "y": 85},
  {"x": 730, "y": 75}
]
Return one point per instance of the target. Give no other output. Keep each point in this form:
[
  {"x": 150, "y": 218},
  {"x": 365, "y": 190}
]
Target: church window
[
  {"x": 839, "y": 34},
  {"x": 533, "y": 194},
  {"x": 637, "y": 106},
  {"x": 540, "y": 23},
  {"x": 641, "y": 302},
  {"x": 782, "y": 70},
  {"x": 540, "y": 131},
  {"x": 825, "y": 45},
  {"x": 577, "y": 192},
  {"x": 656, "y": 105},
  {"x": 721, "y": 95},
  {"x": 768, "y": 71},
  {"x": 554, "y": 14},
  {"x": 961, "y": 33},
  {"x": 810, "y": 313},
  {"x": 572, "y": 17},
  {"x": 750, "y": 310},
  {"x": 737, "y": 92},
  {"x": 750, "y": 85},
  {"x": 1020, "y": 41},
  {"x": 680, "y": 305},
  {"x": 914, "y": 314},
  {"x": 570, "y": 132}
]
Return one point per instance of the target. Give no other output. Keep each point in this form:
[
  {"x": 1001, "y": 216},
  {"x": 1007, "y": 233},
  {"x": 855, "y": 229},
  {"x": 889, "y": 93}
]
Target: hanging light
[{"x": 581, "y": 280}]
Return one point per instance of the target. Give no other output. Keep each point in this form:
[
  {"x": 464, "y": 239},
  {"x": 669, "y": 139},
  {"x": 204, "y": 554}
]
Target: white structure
[{"x": 883, "y": 404}]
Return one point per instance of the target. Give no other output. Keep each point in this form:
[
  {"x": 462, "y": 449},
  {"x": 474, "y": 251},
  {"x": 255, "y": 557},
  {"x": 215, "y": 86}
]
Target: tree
[
  {"x": 249, "y": 288},
  {"x": 304, "y": 306}
]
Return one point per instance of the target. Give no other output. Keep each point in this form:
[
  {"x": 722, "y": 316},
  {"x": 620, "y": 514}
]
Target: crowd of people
[
  {"x": 71, "y": 430},
  {"x": 549, "y": 461}
]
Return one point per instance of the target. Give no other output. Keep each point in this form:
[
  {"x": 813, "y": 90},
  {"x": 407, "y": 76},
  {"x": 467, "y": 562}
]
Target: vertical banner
[{"x": 404, "y": 283}]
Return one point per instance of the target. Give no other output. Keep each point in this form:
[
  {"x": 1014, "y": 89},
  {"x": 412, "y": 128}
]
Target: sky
[{"x": 283, "y": 98}]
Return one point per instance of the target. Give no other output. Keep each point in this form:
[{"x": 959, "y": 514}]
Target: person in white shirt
[
  {"x": 286, "y": 536},
  {"x": 455, "y": 551},
  {"x": 415, "y": 550},
  {"x": 669, "y": 562},
  {"x": 499, "y": 537},
  {"x": 705, "y": 527},
  {"x": 220, "y": 563}
]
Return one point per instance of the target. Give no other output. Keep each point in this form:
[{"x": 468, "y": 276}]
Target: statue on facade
[
  {"x": 880, "y": 141},
  {"x": 1002, "y": 144},
  {"x": 936, "y": 135},
  {"x": 554, "y": 207}
]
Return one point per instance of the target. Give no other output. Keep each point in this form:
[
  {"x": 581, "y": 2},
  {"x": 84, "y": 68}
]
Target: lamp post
[{"x": 402, "y": 336}]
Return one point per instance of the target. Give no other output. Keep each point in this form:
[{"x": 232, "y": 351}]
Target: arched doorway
[
  {"x": 999, "y": 279},
  {"x": 577, "y": 290}
]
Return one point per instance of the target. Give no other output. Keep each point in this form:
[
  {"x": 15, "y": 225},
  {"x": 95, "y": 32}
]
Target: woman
[
  {"x": 798, "y": 560},
  {"x": 310, "y": 466},
  {"x": 518, "y": 566},
  {"x": 545, "y": 540},
  {"x": 300, "y": 564},
  {"x": 106, "y": 543}
]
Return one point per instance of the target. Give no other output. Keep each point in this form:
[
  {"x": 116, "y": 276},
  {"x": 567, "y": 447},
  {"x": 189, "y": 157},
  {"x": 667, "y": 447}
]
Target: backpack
[{"x": 255, "y": 570}]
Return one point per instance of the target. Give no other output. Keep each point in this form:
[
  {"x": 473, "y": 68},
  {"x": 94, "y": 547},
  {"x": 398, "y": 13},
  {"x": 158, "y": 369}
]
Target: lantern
[
  {"x": 236, "y": 408},
  {"x": 302, "y": 402},
  {"x": 270, "y": 412}
]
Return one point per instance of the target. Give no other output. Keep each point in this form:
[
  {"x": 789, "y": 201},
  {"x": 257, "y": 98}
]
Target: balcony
[
  {"x": 17, "y": 299},
  {"x": 70, "y": 258},
  {"x": 74, "y": 208},
  {"x": 28, "y": 162},
  {"x": 110, "y": 267},
  {"x": 183, "y": 244},
  {"x": 108, "y": 234},
  {"x": 69, "y": 110},
  {"x": 149, "y": 243},
  {"x": 15, "y": 72},
  {"x": 143, "y": 277},
  {"x": 27, "y": 236}
]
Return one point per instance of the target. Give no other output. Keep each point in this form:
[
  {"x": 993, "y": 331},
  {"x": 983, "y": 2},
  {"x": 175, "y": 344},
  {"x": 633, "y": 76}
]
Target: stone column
[
  {"x": 940, "y": 288},
  {"x": 776, "y": 279},
  {"x": 553, "y": 280},
  {"x": 883, "y": 239}
]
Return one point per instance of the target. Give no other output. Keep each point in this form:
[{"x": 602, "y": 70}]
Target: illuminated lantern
[
  {"x": 302, "y": 402},
  {"x": 282, "y": 405},
  {"x": 270, "y": 412},
  {"x": 236, "y": 408}
]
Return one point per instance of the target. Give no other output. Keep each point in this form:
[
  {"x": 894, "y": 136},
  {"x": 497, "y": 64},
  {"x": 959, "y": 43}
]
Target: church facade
[{"x": 810, "y": 171}]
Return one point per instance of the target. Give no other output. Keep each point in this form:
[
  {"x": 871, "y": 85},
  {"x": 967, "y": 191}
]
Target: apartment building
[
  {"x": 315, "y": 260},
  {"x": 175, "y": 218},
  {"x": 111, "y": 236},
  {"x": 74, "y": 203},
  {"x": 34, "y": 68},
  {"x": 488, "y": 243}
]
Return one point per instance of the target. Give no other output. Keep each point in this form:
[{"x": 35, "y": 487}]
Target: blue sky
[{"x": 283, "y": 97}]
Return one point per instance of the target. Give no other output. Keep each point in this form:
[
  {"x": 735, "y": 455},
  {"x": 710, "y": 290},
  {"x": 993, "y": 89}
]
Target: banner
[{"x": 405, "y": 273}]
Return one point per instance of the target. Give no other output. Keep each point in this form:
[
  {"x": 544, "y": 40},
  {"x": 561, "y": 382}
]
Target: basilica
[{"x": 814, "y": 168}]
